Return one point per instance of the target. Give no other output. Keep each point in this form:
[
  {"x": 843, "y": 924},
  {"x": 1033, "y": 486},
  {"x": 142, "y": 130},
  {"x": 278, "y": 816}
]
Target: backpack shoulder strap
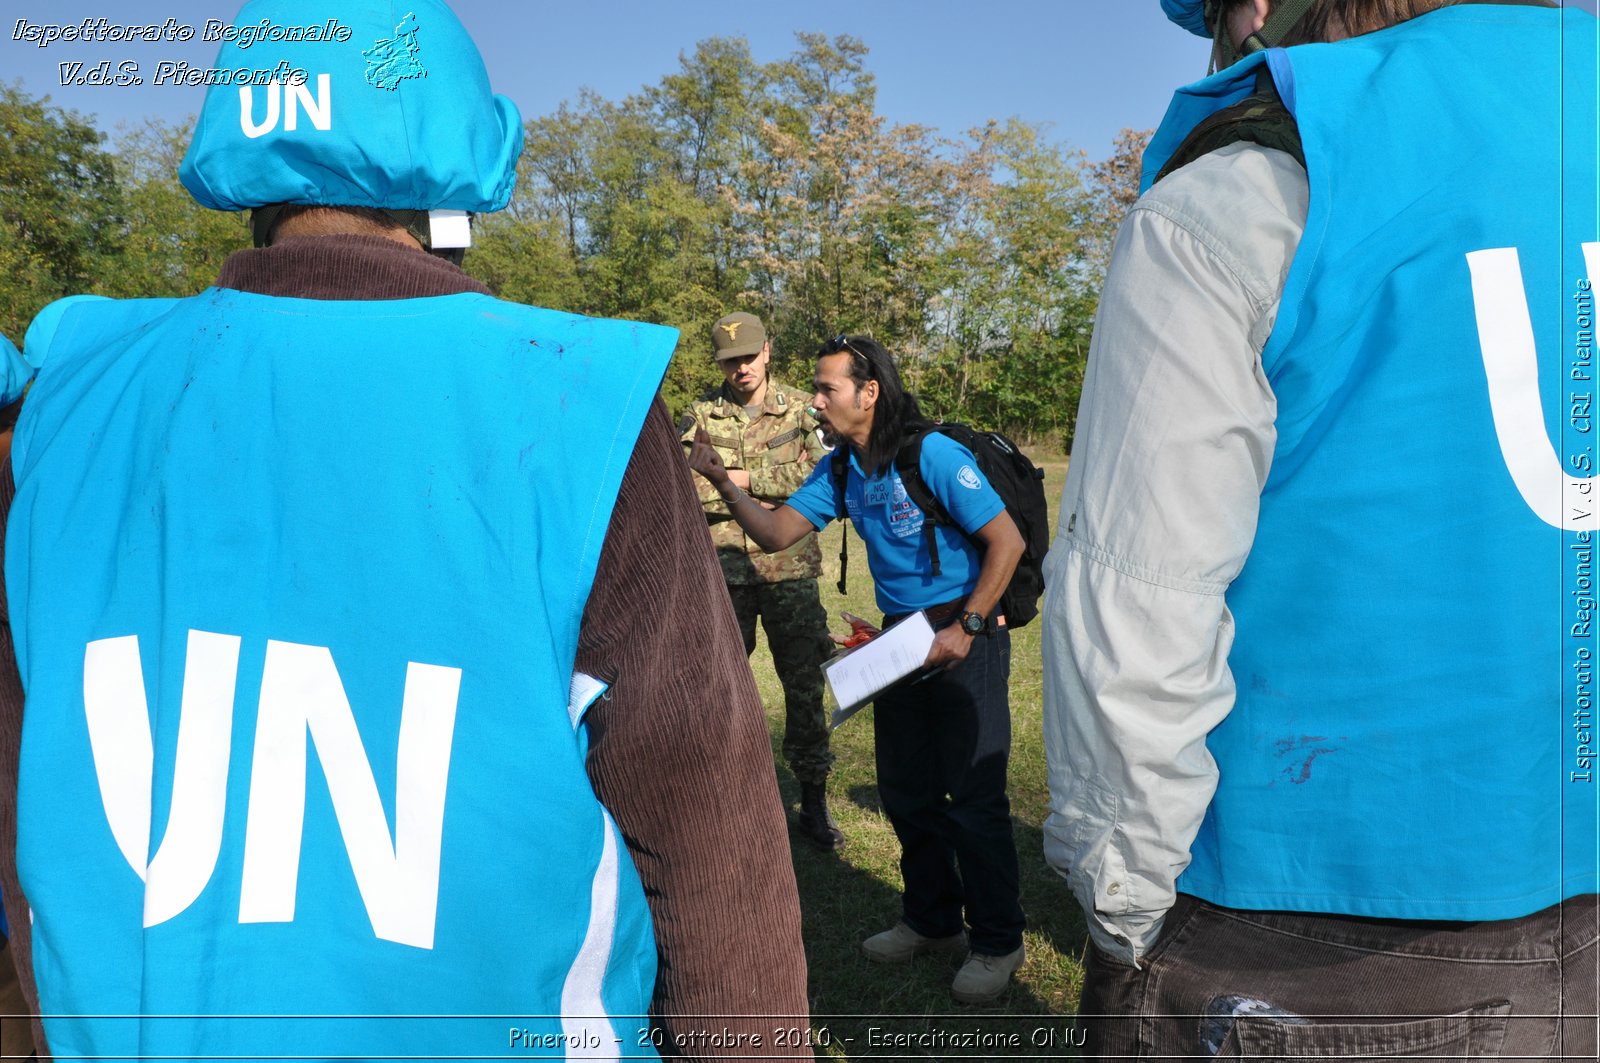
[
  {"x": 1260, "y": 118},
  {"x": 839, "y": 470},
  {"x": 839, "y": 473},
  {"x": 908, "y": 463}
]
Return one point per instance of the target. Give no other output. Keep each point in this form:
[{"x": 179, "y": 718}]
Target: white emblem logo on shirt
[
  {"x": 968, "y": 478},
  {"x": 301, "y": 696},
  {"x": 1511, "y": 364},
  {"x": 290, "y": 100}
]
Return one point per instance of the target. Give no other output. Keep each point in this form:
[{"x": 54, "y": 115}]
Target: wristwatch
[{"x": 973, "y": 623}]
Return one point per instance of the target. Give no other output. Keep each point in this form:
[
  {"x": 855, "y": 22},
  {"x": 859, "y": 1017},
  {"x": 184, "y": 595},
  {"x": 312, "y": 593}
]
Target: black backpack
[{"x": 1018, "y": 482}]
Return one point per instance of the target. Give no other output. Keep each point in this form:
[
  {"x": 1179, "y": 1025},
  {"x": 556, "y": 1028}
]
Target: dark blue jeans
[
  {"x": 942, "y": 748},
  {"x": 1230, "y": 984}
]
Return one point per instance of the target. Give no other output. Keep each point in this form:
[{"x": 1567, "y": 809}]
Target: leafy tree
[
  {"x": 1116, "y": 184},
  {"x": 60, "y": 221},
  {"x": 1016, "y": 298},
  {"x": 76, "y": 218},
  {"x": 526, "y": 260},
  {"x": 778, "y": 188},
  {"x": 839, "y": 214},
  {"x": 729, "y": 184},
  {"x": 530, "y": 252},
  {"x": 171, "y": 246},
  {"x": 623, "y": 211}
]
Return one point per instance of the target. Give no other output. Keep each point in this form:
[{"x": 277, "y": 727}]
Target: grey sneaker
[
  {"x": 901, "y": 943},
  {"x": 982, "y": 978}
]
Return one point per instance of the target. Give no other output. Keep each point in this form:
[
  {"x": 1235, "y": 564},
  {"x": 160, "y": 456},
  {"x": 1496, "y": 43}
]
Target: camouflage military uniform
[{"x": 778, "y": 448}]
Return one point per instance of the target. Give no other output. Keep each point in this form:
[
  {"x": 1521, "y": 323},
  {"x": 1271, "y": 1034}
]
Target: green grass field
[{"x": 849, "y": 895}]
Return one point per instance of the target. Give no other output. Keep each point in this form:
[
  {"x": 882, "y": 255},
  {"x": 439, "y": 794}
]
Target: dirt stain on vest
[{"x": 1305, "y": 751}]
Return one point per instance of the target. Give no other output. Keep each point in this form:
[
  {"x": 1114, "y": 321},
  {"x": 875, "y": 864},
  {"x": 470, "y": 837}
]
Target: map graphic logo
[{"x": 392, "y": 61}]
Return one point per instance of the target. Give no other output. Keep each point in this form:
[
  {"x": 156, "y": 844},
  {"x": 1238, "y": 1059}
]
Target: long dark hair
[{"x": 896, "y": 410}]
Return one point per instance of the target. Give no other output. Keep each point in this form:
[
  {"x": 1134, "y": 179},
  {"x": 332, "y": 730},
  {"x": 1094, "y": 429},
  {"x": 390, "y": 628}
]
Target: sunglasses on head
[{"x": 842, "y": 343}]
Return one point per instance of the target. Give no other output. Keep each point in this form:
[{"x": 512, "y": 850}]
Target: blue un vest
[
  {"x": 296, "y": 588},
  {"x": 1414, "y": 658}
]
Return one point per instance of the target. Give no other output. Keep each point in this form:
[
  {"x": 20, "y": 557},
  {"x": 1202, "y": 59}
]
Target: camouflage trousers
[{"x": 797, "y": 633}]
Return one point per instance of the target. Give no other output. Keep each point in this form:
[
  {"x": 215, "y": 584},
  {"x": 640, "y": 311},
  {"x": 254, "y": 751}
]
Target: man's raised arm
[{"x": 773, "y": 528}]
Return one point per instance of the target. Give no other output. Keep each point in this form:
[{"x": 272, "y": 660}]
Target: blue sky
[{"x": 1087, "y": 67}]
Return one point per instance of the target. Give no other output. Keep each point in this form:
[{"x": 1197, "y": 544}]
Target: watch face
[{"x": 972, "y": 623}]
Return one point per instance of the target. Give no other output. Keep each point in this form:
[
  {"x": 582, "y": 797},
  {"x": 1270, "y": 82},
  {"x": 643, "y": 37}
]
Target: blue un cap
[
  {"x": 395, "y": 112},
  {"x": 1190, "y": 14}
]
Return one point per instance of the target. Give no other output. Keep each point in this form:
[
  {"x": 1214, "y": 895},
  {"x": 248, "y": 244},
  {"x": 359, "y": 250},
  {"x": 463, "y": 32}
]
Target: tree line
[{"x": 729, "y": 185}]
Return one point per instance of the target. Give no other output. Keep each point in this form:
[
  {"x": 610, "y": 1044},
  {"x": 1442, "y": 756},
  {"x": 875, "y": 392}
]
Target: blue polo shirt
[{"x": 892, "y": 526}]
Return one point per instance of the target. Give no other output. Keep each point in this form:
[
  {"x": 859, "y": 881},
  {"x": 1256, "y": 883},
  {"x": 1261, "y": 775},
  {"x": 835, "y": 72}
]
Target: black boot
[{"x": 814, "y": 822}]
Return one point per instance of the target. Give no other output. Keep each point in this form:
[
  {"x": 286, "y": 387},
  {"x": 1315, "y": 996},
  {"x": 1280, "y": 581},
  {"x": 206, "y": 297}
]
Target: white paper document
[{"x": 868, "y": 670}]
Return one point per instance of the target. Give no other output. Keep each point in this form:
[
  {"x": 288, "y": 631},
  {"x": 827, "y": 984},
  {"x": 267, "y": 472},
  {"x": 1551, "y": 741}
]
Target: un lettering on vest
[
  {"x": 287, "y": 100},
  {"x": 301, "y": 692},
  {"x": 1558, "y": 492}
]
